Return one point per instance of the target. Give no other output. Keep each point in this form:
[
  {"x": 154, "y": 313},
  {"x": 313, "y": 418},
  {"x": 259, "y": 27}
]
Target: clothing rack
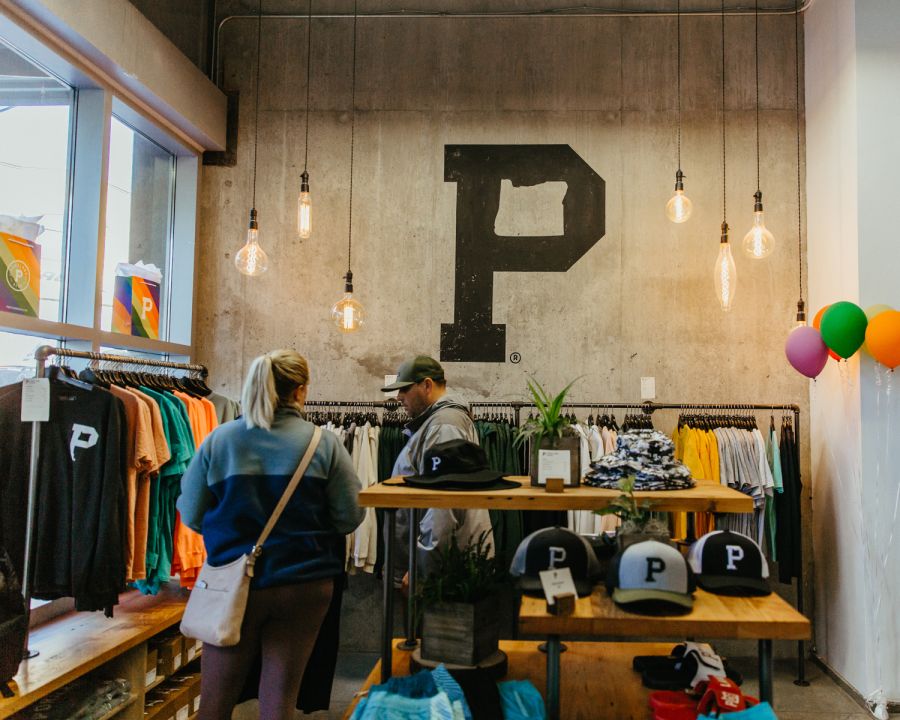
[{"x": 41, "y": 355}]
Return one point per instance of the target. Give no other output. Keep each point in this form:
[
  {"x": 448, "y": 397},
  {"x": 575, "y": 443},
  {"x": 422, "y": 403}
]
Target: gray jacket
[{"x": 447, "y": 419}]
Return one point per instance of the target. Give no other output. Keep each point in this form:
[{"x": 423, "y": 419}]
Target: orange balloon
[
  {"x": 817, "y": 320},
  {"x": 883, "y": 338}
]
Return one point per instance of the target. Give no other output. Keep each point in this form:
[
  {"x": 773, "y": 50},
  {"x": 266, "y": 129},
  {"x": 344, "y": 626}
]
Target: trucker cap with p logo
[{"x": 651, "y": 577}]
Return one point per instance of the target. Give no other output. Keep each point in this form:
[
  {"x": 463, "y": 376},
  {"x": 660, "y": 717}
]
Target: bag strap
[{"x": 286, "y": 496}]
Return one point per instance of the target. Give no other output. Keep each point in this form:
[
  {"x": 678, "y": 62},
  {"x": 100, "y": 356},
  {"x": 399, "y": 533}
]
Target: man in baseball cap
[{"x": 435, "y": 417}]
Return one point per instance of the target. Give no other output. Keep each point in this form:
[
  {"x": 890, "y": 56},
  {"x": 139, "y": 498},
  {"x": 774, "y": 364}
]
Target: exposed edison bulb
[
  {"x": 679, "y": 207},
  {"x": 725, "y": 273},
  {"x": 347, "y": 313},
  {"x": 759, "y": 241},
  {"x": 304, "y": 208},
  {"x": 252, "y": 259},
  {"x": 801, "y": 314}
]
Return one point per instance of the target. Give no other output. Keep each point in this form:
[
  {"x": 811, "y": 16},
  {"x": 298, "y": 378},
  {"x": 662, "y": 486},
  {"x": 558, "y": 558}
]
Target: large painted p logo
[{"x": 478, "y": 171}]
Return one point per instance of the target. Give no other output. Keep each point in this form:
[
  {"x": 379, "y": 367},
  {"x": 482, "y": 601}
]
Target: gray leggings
[{"x": 283, "y": 622}]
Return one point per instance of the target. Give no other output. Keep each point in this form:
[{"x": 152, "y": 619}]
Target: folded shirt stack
[{"x": 648, "y": 456}]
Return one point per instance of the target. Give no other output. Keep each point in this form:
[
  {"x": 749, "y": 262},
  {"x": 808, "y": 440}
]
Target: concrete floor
[{"x": 822, "y": 700}]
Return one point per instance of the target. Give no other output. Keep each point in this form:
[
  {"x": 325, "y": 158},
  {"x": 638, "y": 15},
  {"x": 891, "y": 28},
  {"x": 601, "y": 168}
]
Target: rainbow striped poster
[{"x": 20, "y": 269}]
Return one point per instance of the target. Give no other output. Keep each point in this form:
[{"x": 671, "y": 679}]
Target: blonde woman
[{"x": 228, "y": 493}]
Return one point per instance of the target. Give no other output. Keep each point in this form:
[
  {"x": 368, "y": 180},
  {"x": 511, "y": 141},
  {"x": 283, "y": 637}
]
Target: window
[
  {"x": 139, "y": 214},
  {"x": 97, "y": 239},
  {"x": 17, "y": 356},
  {"x": 36, "y": 113}
]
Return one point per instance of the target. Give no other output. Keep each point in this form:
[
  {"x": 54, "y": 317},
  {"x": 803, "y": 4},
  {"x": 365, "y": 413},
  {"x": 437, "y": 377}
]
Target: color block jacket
[{"x": 237, "y": 477}]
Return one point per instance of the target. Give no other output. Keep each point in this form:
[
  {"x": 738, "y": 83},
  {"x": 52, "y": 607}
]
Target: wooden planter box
[
  {"x": 461, "y": 633},
  {"x": 628, "y": 539},
  {"x": 568, "y": 443}
]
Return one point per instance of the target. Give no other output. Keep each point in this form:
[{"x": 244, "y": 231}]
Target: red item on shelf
[{"x": 723, "y": 696}]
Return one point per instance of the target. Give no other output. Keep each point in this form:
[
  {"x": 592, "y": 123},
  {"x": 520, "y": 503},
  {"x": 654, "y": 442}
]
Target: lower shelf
[
  {"x": 597, "y": 682},
  {"x": 119, "y": 708}
]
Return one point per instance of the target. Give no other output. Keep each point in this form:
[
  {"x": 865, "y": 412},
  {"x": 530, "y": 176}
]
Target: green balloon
[{"x": 843, "y": 328}]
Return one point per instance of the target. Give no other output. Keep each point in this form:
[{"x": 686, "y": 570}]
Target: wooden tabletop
[
  {"x": 713, "y": 616},
  {"x": 705, "y": 497},
  {"x": 596, "y": 682},
  {"x": 77, "y": 642}
]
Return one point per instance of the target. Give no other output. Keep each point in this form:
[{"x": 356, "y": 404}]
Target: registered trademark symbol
[{"x": 515, "y": 358}]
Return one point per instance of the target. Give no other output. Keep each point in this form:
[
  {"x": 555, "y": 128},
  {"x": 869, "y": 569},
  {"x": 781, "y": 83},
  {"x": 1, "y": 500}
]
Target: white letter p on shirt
[{"x": 83, "y": 436}]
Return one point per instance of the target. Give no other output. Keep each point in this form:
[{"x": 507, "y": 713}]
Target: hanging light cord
[
  {"x": 756, "y": 51},
  {"x": 678, "y": 82},
  {"x": 352, "y": 133},
  {"x": 256, "y": 121},
  {"x": 308, "y": 65},
  {"x": 797, "y": 79},
  {"x": 723, "y": 116}
]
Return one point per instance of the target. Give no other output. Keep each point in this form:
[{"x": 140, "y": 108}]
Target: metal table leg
[
  {"x": 387, "y": 619},
  {"x": 411, "y": 643},
  {"x": 553, "y": 677},
  {"x": 765, "y": 671}
]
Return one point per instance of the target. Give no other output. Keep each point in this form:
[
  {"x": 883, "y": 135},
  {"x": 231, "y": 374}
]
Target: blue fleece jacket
[{"x": 235, "y": 481}]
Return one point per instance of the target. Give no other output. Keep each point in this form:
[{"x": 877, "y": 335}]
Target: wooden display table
[
  {"x": 599, "y": 683},
  {"x": 705, "y": 497},
  {"x": 76, "y": 643},
  {"x": 393, "y": 494},
  {"x": 713, "y": 616}
]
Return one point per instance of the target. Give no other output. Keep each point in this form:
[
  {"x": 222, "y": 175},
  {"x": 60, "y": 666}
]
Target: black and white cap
[
  {"x": 552, "y": 548},
  {"x": 651, "y": 577},
  {"x": 729, "y": 563}
]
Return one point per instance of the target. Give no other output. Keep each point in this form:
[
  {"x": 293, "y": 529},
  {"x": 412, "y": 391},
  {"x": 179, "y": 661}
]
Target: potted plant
[
  {"x": 638, "y": 523},
  {"x": 460, "y": 604},
  {"x": 555, "y": 447}
]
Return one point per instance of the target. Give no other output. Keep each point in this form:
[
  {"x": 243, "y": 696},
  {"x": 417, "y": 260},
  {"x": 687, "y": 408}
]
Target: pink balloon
[{"x": 806, "y": 351}]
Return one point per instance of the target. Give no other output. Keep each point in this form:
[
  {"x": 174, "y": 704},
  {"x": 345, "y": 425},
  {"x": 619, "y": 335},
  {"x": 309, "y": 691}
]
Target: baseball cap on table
[
  {"x": 729, "y": 563},
  {"x": 458, "y": 465},
  {"x": 416, "y": 370},
  {"x": 552, "y": 548},
  {"x": 651, "y": 577}
]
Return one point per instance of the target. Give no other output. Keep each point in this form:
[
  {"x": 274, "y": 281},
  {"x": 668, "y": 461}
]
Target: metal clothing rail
[{"x": 41, "y": 355}]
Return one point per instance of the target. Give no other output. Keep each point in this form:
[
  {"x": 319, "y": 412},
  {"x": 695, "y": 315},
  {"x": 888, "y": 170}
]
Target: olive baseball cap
[{"x": 416, "y": 370}]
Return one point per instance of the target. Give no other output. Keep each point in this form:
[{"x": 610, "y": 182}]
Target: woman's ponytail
[
  {"x": 272, "y": 381},
  {"x": 259, "y": 398}
]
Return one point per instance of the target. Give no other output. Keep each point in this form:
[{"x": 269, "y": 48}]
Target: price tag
[
  {"x": 554, "y": 463},
  {"x": 36, "y": 400},
  {"x": 557, "y": 582}
]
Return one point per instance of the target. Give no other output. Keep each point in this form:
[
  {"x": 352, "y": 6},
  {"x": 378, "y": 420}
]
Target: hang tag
[
  {"x": 557, "y": 582},
  {"x": 36, "y": 400}
]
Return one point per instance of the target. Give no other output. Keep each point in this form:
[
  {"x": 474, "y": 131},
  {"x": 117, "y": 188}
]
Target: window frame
[{"x": 95, "y": 103}]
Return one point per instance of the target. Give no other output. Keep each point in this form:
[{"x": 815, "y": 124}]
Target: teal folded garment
[
  {"x": 521, "y": 701},
  {"x": 445, "y": 681},
  {"x": 763, "y": 711},
  {"x": 388, "y": 706}
]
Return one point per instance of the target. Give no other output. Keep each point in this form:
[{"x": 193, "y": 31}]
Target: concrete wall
[
  {"x": 640, "y": 302},
  {"x": 854, "y": 54}
]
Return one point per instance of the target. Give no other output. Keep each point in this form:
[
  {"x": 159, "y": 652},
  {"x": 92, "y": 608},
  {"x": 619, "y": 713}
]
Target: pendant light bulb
[
  {"x": 304, "y": 208},
  {"x": 759, "y": 241},
  {"x": 725, "y": 272},
  {"x": 801, "y": 313},
  {"x": 251, "y": 259},
  {"x": 347, "y": 313},
  {"x": 679, "y": 207}
]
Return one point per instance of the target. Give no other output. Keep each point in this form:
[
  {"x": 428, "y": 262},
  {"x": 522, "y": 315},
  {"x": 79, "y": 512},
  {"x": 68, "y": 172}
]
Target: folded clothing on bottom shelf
[
  {"x": 717, "y": 697},
  {"x": 442, "y": 694}
]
